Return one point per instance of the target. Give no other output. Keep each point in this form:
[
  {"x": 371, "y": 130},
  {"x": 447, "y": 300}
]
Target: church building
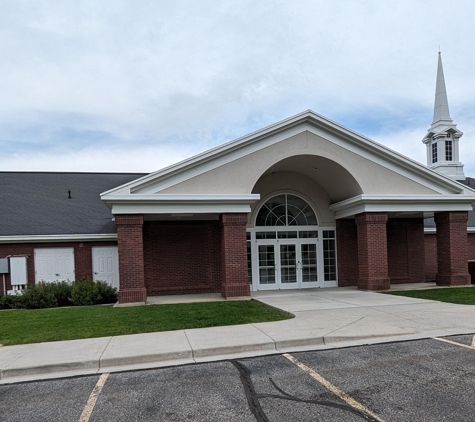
[{"x": 302, "y": 203}]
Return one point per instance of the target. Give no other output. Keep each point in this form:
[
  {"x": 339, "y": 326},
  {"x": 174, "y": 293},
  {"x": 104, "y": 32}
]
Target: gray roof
[{"x": 36, "y": 203}]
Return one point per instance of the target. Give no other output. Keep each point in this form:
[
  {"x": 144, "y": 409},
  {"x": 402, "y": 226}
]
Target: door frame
[
  {"x": 298, "y": 241},
  {"x": 37, "y": 280},
  {"x": 95, "y": 248}
]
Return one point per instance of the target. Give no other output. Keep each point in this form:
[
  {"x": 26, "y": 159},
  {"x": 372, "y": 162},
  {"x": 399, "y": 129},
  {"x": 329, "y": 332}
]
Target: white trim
[
  {"x": 307, "y": 120},
  {"x": 402, "y": 203},
  {"x": 433, "y": 230},
  {"x": 50, "y": 238},
  {"x": 183, "y": 204},
  {"x": 255, "y": 243}
]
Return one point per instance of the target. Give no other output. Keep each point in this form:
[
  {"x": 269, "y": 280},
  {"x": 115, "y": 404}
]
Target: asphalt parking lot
[{"x": 424, "y": 380}]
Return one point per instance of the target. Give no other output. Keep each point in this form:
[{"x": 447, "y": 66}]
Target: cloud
[{"x": 184, "y": 76}]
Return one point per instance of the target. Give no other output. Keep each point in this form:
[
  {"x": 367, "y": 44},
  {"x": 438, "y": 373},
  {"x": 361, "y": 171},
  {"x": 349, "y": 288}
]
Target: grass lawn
[
  {"x": 459, "y": 295},
  {"x": 35, "y": 326}
]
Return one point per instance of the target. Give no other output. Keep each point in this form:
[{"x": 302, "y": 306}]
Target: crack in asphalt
[{"x": 253, "y": 398}]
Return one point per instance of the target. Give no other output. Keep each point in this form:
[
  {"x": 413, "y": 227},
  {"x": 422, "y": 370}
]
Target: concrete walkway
[{"x": 324, "y": 318}]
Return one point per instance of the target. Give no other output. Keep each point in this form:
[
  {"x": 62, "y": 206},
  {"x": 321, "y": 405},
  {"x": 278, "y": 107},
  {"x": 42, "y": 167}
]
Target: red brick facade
[
  {"x": 159, "y": 258},
  {"x": 234, "y": 256},
  {"x": 430, "y": 246},
  {"x": 452, "y": 249},
  {"x": 347, "y": 247},
  {"x": 406, "y": 247},
  {"x": 163, "y": 257},
  {"x": 131, "y": 261},
  {"x": 82, "y": 257},
  {"x": 182, "y": 257},
  {"x": 372, "y": 251}
]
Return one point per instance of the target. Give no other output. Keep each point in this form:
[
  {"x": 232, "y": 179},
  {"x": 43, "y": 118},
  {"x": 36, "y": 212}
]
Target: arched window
[{"x": 286, "y": 210}]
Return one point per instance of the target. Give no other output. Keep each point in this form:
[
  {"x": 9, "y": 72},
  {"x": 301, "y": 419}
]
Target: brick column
[
  {"x": 452, "y": 249},
  {"x": 347, "y": 247},
  {"x": 131, "y": 263},
  {"x": 406, "y": 247},
  {"x": 372, "y": 251},
  {"x": 234, "y": 256}
]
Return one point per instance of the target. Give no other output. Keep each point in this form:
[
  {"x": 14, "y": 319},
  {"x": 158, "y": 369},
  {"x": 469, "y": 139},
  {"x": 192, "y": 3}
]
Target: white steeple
[{"x": 442, "y": 137}]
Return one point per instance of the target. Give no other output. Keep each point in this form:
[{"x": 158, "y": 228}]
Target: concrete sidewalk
[{"x": 324, "y": 318}]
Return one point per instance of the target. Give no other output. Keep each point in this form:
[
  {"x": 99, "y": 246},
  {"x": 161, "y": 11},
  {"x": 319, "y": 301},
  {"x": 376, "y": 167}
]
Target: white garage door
[
  {"x": 105, "y": 265},
  {"x": 54, "y": 264}
]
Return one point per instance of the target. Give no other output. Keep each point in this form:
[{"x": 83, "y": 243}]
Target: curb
[{"x": 212, "y": 354}]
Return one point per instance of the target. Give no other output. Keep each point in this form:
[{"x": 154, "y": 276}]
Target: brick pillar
[
  {"x": 347, "y": 247},
  {"x": 131, "y": 264},
  {"x": 452, "y": 249},
  {"x": 372, "y": 251},
  {"x": 406, "y": 250},
  {"x": 234, "y": 256}
]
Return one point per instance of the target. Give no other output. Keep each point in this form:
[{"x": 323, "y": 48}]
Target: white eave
[
  {"x": 402, "y": 203},
  {"x": 52, "y": 238},
  {"x": 172, "y": 204}
]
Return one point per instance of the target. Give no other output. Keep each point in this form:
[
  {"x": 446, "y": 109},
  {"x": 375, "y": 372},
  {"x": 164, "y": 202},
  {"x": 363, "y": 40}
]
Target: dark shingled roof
[{"x": 34, "y": 203}]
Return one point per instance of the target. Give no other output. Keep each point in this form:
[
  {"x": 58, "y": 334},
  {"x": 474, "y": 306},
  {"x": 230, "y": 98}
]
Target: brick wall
[
  {"x": 471, "y": 246},
  {"x": 234, "y": 255},
  {"x": 452, "y": 248},
  {"x": 182, "y": 257},
  {"x": 430, "y": 249},
  {"x": 131, "y": 261},
  {"x": 372, "y": 251},
  {"x": 431, "y": 254},
  {"x": 406, "y": 257},
  {"x": 347, "y": 247},
  {"x": 82, "y": 257}
]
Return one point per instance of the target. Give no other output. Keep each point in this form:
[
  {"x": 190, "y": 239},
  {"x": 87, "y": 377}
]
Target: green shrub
[
  {"x": 85, "y": 292},
  {"x": 11, "y": 302},
  {"x": 40, "y": 295},
  {"x": 108, "y": 293},
  {"x": 62, "y": 291}
]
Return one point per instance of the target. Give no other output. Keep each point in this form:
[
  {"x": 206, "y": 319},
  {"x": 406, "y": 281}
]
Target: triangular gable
[{"x": 413, "y": 172}]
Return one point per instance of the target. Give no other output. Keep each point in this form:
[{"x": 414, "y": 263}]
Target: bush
[
  {"x": 40, "y": 295},
  {"x": 85, "y": 292},
  {"x": 88, "y": 292},
  {"x": 61, "y": 293},
  {"x": 108, "y": 293},
  {"x": 11, "y": 302}
]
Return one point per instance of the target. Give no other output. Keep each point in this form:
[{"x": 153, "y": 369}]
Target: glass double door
[{"x": 287, "y": 264}]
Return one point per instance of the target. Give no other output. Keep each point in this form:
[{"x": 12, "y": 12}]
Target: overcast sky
[{"x": 133, "y": 86}]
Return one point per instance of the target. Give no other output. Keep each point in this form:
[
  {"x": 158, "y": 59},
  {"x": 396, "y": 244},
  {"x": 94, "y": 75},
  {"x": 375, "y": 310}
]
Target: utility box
[
  {"x": 4, "y": 266},
  {"x": 18, "y": 271}
]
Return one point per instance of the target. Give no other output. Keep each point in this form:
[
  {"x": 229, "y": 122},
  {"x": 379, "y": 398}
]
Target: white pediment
[{"x": 234, "y": 168}]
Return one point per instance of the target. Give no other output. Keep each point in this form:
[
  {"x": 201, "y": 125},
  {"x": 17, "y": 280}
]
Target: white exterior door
[
  {"x": 266, "y": 269},
  {"x": 287, "y": 268},
  {"x": 55, "y": 264},
  {"x": 287, "y": 264},
  {"x": 105, "y": 265}
]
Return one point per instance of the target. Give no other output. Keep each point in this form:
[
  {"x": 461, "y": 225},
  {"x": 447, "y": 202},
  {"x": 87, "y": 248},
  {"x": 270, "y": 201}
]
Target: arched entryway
[{"x": 288, "y": 249}]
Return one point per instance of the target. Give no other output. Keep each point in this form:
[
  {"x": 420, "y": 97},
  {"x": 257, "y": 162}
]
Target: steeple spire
[
  {"x": 441, "y": 104},
  {"x": 442, "y": 138}
]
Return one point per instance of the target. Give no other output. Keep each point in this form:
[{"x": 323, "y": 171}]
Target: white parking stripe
[
  {"x": 455, "y": 343},
  {"x": 473, "y": 342},
  {"x": 334, "y": 389},
  {"x": 91, "y": 402}
]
